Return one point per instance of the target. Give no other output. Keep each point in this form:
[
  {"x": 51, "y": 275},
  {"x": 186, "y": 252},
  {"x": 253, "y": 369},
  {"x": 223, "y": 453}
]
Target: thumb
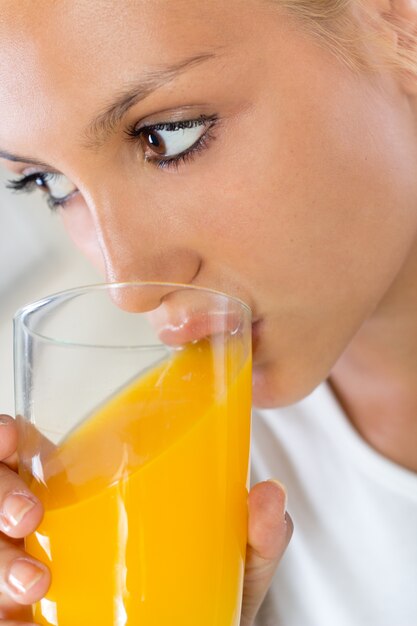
[{"x": 269, "y": 532}]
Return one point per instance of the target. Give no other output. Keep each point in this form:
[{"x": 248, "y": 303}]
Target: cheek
[
  {"x": 316, "y": 226},
  {"x": 79, "y": 226}
]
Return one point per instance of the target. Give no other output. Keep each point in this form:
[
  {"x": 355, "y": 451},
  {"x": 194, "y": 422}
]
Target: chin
[{"x": 274, "y": 387}]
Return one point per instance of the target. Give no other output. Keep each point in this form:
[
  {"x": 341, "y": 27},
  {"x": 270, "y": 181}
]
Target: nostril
[
  {"x": 139, "y": 297},
  {"x": 139, "y": 261},
  {"x": 198, "y": 270},
  {"x": 159, "y": 283}
]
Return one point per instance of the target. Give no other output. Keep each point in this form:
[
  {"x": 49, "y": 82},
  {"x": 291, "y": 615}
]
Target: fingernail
[
  {"x": 23, "y": 575},
  {"x": 4, "y": 420},
  {"x": 15, "y": 507},
  {"x": 283, "y": 488}
]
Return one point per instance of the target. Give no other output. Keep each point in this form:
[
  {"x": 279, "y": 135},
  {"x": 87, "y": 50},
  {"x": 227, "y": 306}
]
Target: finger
[
  {"x": 269, "y": 532},
  {"x": 8, "y": 440},
  {"x": 20, "y": 511},
  {"x": 10, "y": 610},
  {"x": 23, "y": 580}
]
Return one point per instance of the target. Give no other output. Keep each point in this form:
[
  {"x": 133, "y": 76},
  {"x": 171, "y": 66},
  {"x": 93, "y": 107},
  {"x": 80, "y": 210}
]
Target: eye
[
  {"x": 57, "y": 186},
  {"x": 169, "y": 142}
]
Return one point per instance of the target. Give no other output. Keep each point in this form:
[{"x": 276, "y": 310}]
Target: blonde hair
[{"x": 349, "y": 29}]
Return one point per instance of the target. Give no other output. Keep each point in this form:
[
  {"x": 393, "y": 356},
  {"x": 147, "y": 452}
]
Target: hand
[
  {"x": 269, "y": 532},
  {"x": 23, "y": 580}
]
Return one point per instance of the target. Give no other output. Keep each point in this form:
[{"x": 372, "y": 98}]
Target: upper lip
[
  {"x": 179, "y": 320},
  {"x": 197, "y": 327}
]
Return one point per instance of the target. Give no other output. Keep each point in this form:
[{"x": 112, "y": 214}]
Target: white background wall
[{"x": 36, "y": 259}]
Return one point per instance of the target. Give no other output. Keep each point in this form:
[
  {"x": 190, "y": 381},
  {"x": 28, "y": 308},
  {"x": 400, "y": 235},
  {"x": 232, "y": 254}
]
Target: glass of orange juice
[{"x": 133, "y": 405}]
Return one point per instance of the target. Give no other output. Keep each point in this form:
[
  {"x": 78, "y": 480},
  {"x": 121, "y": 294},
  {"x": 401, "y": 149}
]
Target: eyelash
[
  {"x": 27, "y": 184},
  {"x": 188, "y": 155}
]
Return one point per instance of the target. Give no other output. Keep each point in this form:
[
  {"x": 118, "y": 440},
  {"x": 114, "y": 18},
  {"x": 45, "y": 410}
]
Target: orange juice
[{"x": 145, "y": 502}]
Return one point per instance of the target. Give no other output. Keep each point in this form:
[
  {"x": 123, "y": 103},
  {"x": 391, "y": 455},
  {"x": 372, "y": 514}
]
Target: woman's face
[{"x": 216, "y": 143}]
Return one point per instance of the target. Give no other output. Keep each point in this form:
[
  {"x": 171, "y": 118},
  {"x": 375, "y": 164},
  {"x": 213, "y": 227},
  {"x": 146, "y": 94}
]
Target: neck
[{"x": 375, "y": 380}]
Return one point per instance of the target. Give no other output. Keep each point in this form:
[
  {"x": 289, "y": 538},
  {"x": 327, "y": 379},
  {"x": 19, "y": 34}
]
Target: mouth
[{"x": 194, "y": 327}]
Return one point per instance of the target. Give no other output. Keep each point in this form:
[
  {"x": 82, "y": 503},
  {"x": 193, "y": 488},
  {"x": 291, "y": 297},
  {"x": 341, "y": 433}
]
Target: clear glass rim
[{"x": 21, "y": 314}]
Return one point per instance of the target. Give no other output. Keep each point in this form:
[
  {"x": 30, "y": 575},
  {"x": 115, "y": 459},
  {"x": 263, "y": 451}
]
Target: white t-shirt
[{"x": 352, "y": 560}]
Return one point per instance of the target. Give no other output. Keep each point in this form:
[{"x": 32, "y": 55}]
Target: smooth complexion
[
  {"x": 310, "y": 222},
  {"x": 302, "y": 202}
]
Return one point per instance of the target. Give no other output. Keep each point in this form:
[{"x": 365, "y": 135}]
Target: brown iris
[{"x": 151, "y": 140}]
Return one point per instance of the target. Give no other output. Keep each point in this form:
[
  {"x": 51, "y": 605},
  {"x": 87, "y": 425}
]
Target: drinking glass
[{"x": 133, "y": 409}]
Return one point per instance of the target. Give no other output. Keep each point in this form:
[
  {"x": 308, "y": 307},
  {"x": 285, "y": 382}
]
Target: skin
[{"x": 303, "y": 205}]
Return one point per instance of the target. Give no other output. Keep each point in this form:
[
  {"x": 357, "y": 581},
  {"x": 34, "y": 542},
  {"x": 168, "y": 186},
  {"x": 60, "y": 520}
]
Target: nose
[
  {"x": 138, "y": 247},
  {"x": 129, "y": 258}
]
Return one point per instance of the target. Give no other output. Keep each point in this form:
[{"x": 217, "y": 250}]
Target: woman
[{"x": 267, "y": 149}]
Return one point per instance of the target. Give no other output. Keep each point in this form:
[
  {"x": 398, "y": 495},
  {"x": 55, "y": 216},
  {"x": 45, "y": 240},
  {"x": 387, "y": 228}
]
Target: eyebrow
[
  {"x": 105, "y": 123},
  {"x": 23, "y": 159},
  {"x": 101, "y": 127}
]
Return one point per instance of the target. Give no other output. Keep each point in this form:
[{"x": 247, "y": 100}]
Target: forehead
[
  {"x": 61, "y": 61},
  {"x": 76, "y": 30}
]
